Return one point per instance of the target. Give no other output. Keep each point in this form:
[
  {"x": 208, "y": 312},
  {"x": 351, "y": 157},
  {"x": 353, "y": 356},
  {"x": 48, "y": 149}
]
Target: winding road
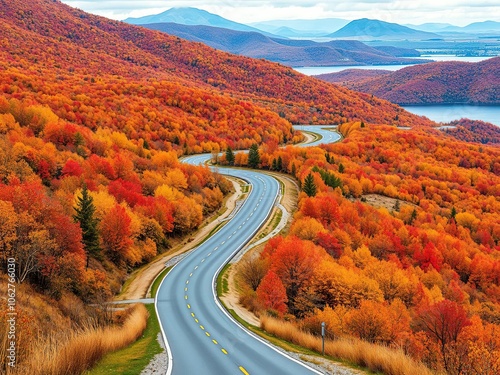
[{"x": 201, "y": 337}]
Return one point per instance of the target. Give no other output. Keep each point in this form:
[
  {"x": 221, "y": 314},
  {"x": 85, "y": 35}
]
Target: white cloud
[{"x": 459, "y": 12}]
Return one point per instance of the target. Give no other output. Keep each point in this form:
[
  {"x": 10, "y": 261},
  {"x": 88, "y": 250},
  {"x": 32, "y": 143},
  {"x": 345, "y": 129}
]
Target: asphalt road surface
[{"x": 201, "y": 337}]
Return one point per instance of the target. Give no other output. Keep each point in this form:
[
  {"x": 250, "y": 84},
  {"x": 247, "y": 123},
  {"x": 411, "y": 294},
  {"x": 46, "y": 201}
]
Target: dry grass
[
  {"x": 377, "y": 358},
  {"x": 84, "y": 348}
]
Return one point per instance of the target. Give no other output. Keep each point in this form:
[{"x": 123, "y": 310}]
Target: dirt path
[{"x": 144, "y": 276}]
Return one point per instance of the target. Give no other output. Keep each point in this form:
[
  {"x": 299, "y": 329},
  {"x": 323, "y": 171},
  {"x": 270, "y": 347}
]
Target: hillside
[
  {"x": 349, "y": 77},
  {"x": 84, "y": 46},
  {"x": 285, "y": 51},
  {"x": 367, "y": 29},
  {"x": 433, "y": 83}
]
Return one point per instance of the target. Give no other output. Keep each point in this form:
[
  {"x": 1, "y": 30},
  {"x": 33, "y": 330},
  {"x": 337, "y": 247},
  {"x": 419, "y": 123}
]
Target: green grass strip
[
  {"x": 135, "y": 357},
  {"x": 157, "y": 281}
]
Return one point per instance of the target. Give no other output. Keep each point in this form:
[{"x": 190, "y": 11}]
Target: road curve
[{"x": 200, "y": 335}]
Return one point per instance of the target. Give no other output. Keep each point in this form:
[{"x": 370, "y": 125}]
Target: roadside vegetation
[{"x": 83, "y": 348}]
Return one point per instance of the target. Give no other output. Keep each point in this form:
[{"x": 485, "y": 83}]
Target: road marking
[
  {"x": 196, "y": 320},
  {"x": 189, "y": 306},
  {"x": 191, "y": 274},
  {"x": 222, "y": 243},
  {"x": 215, "y": 342},
  {"x": 230, "y": 237},
  {"x": 224, "y": 351},
  {"x": 208, "y": 334},
  {"x": 209, "y": 254},
  {"x": 186, "y": 297},
  {"x": 203, "y": 328},
  {"x": 185, "y": 289},
  {"x": 192, "y": 314},
  {"x": 187, "y": 281},
  {"x": 239, "y": 227},
  {"x": 202, "y": 260},
  {"x": 242, "y": 369},
  {"x": 196, "y": 267},
  {"x": 217, "y": 248}
]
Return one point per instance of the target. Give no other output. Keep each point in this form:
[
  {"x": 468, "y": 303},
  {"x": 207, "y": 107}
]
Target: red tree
[{"x": 271, "y": 293}]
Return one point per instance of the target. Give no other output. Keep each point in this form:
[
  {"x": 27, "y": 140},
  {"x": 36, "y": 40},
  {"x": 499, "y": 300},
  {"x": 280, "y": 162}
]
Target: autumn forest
[{"x": 396, "y": 235}]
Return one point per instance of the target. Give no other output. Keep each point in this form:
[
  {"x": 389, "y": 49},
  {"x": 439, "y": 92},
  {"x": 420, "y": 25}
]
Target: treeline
[{"x": 419, "y": 271}]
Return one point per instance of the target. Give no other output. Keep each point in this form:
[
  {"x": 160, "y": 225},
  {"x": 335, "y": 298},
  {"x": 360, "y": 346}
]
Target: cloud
[{"x": 460, "y": 12}]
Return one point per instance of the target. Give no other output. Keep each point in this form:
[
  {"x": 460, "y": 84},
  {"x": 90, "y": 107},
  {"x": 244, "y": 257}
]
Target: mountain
[
  {"x": 477, "y": 27},
  {"x": 302, "y": 28},
  {"x": 430, "y": 27},
  {"x": 286, "y": 51},
  {"x": 434, "y": 83},
  {"x": 367, "y": 29},
  {"x": 485, "y": 27},
  {"x": 192, "y": 16}
]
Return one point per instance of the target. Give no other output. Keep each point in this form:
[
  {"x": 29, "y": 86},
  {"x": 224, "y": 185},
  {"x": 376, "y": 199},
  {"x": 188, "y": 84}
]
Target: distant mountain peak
[
  {"x": 193, "y": 16},
  {"x": 366, "y": 28}
]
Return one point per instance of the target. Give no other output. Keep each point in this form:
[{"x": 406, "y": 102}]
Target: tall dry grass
[
  {"x": 374, "y": 357},
  {"x": 84, "y": 348}
]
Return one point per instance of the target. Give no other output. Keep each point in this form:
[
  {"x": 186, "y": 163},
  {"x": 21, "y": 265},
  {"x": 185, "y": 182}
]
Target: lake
[
  {"x": 450, "y": 112},
  {"x": 315, "y": 70},
  {"x": 438, "y": 113}
]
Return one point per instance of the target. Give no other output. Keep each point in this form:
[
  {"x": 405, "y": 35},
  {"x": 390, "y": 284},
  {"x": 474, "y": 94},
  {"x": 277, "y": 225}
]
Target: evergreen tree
[
  {"x": 309, "y": 186},
  {"x": 84, "y": 215},
  {"x": 413, "y": 216},
  {"x": 229, "y": 156},
  {"x": 279, "y": 164},
  {"x": 397, "y": 206},
  {"x": 341, "y": 168},
  {"x": 274, "y": 165},
  {"x": 253, "y": 156},
  {"x": 294, "y": 170},
  {"x": 453, "y": 212}
]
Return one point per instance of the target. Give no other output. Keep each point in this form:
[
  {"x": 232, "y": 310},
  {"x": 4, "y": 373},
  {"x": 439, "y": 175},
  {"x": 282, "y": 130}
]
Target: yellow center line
[
  {"x": 191, "y": 274},
  {"x": 186, "y": 297},
  {"x": 185, "y": 289},
  {"x": 215, "y": 342},
  {"x": 242, "y": 369},
  {"x": 192, "y": 314},
  {"x": 224, "y": 351},
  {"x": 196, "y": 320},
  {"x": 189, "y": 306},
  {"x": 203, "y": 328},
  {"x": 208, "y": 334},
  {"x": 196, "y": 267},
  {"x": 187, "y": 281}
]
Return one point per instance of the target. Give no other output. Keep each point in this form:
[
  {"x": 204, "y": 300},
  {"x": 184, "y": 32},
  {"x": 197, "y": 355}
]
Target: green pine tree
[
  {"x": 279, "y": 164},
  {"x": 84, "y": 215},
  {"x": 274, "y": 165},
  {"x": 253, "y": 156},
  {"x": 309, "y": 186},
  {"x": 229, "y": 156}
]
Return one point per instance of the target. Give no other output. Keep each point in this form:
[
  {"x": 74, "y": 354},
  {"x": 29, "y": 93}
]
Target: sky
[{"x": 456, "y": 12}]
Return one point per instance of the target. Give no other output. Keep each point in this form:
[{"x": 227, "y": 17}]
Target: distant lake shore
[
  {"x": 317, "y": 70},
  {"x": 448, "y": 112}
]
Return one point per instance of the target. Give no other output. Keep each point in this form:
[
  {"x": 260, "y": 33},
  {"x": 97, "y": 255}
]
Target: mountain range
[
  {"x": 476, "y": 27},
  {"x": 193, "y": 16},
  {"x": 288, "y": 51},
  {"x": 449, "y": 82},
  {"x": 368, "y": 29}
]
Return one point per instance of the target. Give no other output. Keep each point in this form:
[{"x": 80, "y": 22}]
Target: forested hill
[
  {"x": 48, "y": 35},
  {"x": 439, "y": 82}
]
